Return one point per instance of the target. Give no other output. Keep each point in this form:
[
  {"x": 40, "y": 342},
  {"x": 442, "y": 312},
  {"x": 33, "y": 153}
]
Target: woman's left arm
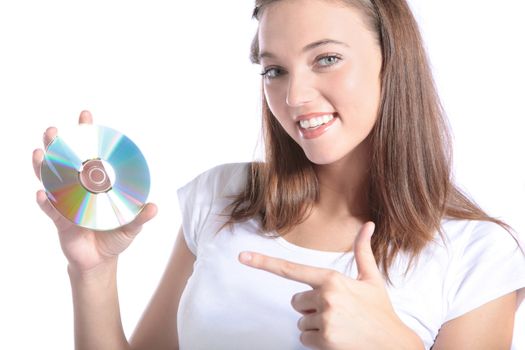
[
  {"x": 341, "y": 313},
  {"x": 488, "y": 327}
]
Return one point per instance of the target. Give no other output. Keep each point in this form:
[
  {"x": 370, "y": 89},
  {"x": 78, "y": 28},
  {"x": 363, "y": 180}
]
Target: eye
[
  {"x": 271, "y": 72},
  {"x": 328, "y": 60},
  {"x": 324, "y": 61}
]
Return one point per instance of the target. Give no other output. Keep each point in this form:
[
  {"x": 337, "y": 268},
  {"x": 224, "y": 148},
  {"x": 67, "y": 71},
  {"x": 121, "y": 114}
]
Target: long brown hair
[{"x": 411, "y": 188}]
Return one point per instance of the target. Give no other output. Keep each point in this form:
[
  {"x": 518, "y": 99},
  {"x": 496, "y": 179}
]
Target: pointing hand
[{"x": 340, "y": 312}]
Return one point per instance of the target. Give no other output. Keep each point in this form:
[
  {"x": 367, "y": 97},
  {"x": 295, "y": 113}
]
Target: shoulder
[
  {"x": 226, "y": 173},
  {"x": 220, "y": 181},
  {"x": 473, "y": 263},
  {"x": 487, "y": 267},
  {"x": 203, "y": 199},
  {"x": 486, "y": 261},
  {"x": 225, "y": 179},
  {"x": 468, "y": 236}
]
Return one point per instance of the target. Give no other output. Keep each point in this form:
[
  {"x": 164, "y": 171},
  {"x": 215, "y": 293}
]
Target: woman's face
[{"x": 322, "y": 78}]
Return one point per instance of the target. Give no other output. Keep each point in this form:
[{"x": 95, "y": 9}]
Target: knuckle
[
  {"x": 259, "y": 260},
  {"x": 324, "y": 333},
  {"x": 333, "y": 277},
  {"x": 287, "y": 268},
  {"x": 295, "y": 299},
  {"x": 300, "y": 323},
  {"x": 303, "y": 338},
  {"x": 325, "y": 319},
  {"x": 328, "y": 337},
  {"x": 328, "y": 299}
]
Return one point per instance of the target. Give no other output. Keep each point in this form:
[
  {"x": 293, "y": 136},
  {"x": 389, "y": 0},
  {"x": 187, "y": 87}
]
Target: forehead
[{"x": 287, "y": 25}]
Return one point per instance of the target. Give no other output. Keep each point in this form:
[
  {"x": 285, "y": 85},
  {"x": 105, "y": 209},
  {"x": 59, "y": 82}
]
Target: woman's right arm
[
  {"x": 97, "y": 323},
  {"x": 92, "y": 268},
  {"x": 96, "y": 306}
]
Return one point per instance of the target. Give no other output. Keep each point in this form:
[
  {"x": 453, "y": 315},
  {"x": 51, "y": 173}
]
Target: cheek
[
  {"x": 276, "y": 100},
  {"x": 273, "y": 97},
  {"x": 370, "y": 86},
  {"x": 356, "y": 93}
]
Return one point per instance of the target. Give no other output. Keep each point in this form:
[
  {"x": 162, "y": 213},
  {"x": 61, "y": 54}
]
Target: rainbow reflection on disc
[{"x": 96, "y": 177}]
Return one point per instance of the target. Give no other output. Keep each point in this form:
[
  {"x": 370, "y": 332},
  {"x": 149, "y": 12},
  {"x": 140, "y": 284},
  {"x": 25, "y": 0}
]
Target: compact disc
[{"x": 96, "y": 177}]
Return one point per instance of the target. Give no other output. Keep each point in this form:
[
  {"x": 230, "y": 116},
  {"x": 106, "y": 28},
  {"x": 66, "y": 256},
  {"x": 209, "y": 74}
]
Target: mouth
[
  {"x": 316, "y": 126},
  {"x": 316, "y": 122}
]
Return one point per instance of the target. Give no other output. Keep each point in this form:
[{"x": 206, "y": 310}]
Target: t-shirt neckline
[{"x": 294, "y": 247}]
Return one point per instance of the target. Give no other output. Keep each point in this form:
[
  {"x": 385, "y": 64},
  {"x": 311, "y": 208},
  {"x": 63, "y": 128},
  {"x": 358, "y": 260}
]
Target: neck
[{"x": 344, "y": 184}]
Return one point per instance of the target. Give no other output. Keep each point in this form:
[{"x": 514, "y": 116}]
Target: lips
[{"x": 315, "y": 124}]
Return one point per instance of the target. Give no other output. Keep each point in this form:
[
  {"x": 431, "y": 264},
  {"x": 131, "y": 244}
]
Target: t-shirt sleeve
[
  {"x": 491, "y": 264},
  {"x": 190, "y": 202},
  {"x": 205, "y": 196}
]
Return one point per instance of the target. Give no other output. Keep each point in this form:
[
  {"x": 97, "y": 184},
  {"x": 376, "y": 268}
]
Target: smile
[
  {"x": 316, "y": 121},
  {"x": 316, "y": 126}
]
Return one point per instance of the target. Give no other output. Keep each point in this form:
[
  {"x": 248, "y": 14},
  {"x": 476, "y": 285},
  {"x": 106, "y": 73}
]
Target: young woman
[{"x": 351, "y": 235}]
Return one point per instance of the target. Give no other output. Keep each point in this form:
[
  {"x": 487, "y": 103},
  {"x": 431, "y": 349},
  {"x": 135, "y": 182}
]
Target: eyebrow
[{"x": 308, "y": 47}]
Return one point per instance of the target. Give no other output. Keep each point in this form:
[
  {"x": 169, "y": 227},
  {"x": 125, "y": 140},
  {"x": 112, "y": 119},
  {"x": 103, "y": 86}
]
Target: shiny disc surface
[{"x": 96, "y": 177}]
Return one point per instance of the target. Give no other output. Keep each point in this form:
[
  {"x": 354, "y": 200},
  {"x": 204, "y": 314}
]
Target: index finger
[
  {"x": 313, "y": 276},
  {"x": 49, "y": 135},
  {"x": 38, "y": 156},
  {"x": 85, "y": 117}
]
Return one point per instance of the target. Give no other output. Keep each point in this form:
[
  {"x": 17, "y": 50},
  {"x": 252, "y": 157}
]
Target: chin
[{"x": 323, "y": 158}]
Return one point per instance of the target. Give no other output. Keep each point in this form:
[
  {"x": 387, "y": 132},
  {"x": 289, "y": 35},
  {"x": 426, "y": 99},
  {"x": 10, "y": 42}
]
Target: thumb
[
  {"x": 364, "y": 257},
  {"x": 147, "y": 213},
  {"x": 85, "y": 117}
]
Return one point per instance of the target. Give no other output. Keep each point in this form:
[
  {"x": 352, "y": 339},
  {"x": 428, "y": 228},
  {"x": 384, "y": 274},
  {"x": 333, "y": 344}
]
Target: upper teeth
[{"x": 315, "y": 122}]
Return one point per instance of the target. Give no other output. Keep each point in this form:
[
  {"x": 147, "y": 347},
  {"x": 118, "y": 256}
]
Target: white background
[{"x": 175, "y": 77}]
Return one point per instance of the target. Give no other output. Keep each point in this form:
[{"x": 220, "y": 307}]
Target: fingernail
[
  {"x": 245, "y": 257},
  {"x": 373, "y": 229},
  {"x": 40, "y": 198}
]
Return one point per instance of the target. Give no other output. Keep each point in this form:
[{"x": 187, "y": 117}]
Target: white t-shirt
[{"x": 227, "y": 305}]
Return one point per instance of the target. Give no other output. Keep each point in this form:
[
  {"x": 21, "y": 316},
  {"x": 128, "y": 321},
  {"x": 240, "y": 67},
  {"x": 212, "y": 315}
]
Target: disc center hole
[
  {"x": 97, "y": 175},
  {"x": 94, "y": 176}
]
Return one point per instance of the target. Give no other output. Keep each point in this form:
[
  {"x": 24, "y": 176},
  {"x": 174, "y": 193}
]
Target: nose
[{"x": 301, "y": 90}]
